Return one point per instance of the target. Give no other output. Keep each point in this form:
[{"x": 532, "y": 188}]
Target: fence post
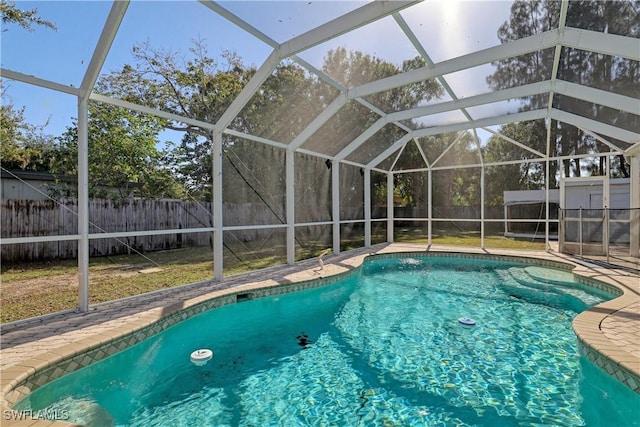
[{"x": 580, "y": 230}]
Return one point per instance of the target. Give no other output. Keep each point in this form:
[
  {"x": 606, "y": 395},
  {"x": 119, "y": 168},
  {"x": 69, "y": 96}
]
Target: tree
[
  {"x": 454, "y": 187},
  {"x": 587, "y": 68},
  {"x": 202, "y": 88},
  {"x": 122, "y": 149},
  {"x": 353, "y": 68},
  {"x": 24, "y": 18},
  {"x": 23, "y": 146},
  {"x": 527, "y": 175},
  {"x": 198, "y": 87}
]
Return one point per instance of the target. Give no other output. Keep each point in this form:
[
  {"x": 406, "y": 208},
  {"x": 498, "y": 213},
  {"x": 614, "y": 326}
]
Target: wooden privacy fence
[
  {"x": 22, "y": 218},
  {"x": 25, "y": 218}
]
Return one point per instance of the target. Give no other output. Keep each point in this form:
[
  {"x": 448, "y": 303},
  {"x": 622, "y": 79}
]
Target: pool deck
[{"x": 611, "y": 329}]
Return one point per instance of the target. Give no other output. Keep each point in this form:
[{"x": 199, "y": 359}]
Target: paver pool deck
[{"x": 611, "y": 329}]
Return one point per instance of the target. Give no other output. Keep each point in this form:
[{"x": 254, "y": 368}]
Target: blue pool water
[{"x": 383, "y": 347}]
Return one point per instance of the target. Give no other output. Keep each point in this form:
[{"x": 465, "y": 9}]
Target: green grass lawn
[
  {"x": 468, "y": 239},
  {"x": 39, "y": 288}
]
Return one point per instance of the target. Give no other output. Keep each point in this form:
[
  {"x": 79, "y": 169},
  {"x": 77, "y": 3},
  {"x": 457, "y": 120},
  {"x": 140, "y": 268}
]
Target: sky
[{"x": 446, "y": 28}]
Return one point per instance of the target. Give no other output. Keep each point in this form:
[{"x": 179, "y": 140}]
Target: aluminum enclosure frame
[{"x": 557, "y": 39}]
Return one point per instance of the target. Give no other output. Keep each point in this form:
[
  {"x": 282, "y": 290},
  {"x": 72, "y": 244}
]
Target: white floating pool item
[
  {"x": 467, "y": 321},
  {"x": 201, "y": 357}
]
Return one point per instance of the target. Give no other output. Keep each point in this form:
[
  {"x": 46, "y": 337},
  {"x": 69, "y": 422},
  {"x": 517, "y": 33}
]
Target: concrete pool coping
[{"x": 37, "y": 351}]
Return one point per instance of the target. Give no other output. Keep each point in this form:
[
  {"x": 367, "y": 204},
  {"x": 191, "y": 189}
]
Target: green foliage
[
  {"x": 23, "y": 146},
  {"x": 201, "y": 87},
  {"x": 24, "y": 18},
  {"x": 123, "y": 158},
  {"x": 520, "y": 176},
  {"x": 454, "y": 187},
  {"x": 615, "y": 74}
]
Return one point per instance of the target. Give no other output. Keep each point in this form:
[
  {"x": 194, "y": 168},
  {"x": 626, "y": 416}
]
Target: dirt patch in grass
[{"x": 29, "y": 288}]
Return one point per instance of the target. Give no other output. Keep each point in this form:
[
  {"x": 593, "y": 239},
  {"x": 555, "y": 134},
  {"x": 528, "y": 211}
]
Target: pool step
[
  {"x": 538, "y": 295},
  {"x": 548, "y": 275},
  {"x": 552, "y": 281}
]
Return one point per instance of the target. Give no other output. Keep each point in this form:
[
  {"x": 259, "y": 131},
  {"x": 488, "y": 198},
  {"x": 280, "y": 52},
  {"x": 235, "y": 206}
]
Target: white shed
[{"x": 525, "y": 213}]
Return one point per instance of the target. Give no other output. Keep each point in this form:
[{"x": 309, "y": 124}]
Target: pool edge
[{"x": 19, "y": 380}]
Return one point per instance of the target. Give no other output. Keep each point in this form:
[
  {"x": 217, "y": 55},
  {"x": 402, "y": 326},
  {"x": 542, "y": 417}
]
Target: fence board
[{"x": 23, "y": 218}]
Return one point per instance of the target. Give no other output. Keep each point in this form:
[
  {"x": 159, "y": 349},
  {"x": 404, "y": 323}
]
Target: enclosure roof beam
[
  {"x": 601, "y": 139},
  {"x": 593, "y": 41},
  {"x": 423, "y": 52},
  {"x": 322, "y": 76},
  {"x": 319, "y": 121},
  {"x": 446, "y": 150},
  {"x": 489, "y": 121},
  {"x": 248, "y": 91},
  {"x": 343, "y": 24},
  {"x": 513, "y": 141},
  {"x": 598, "y": 96},
  {"x": 148, "y": 110},
  {"x": 507, "y": 50},
  {"x": 472, "y": 101},
  {"x": 395, "y": 161},
  {"x": 116, "y": 14},
  {"x": 349, "y": 21},
  {"x": 37, "y": 81},
  {"x": 633, "y": 151},
  {"x": 254, "y": 138},
  {"x": 515, "y": 162},
  {"x": 389, "y": 151},
  {"x": 215, "y": 7},
  {"x": 598, "y": 42},
  {"x": 564, "y": 7},
  {"x": 422, "y": 153},
  {"x": 362, "y": 138},
  {"x": 595, "y": 126},
  {"x": 503, "y": 95},
  {"x": 268, "y": 40}
]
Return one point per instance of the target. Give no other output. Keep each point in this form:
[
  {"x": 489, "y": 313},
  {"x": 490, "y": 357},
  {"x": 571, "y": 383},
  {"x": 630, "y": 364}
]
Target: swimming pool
[{"x": 384, "y": 347}]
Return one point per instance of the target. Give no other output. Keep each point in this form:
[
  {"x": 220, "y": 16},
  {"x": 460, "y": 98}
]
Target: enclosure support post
[
  {"x": 290, "y": 206},
  {"x": 367, "y": 207},
  {"x": 83, "y": 205},
  {"x": 390, "y": 207},
  {"x": 335, "y": 204},
  {"x": 108, "y": 34},
  {"x": 561, "y": 226},
  {"x": 606, "y": 185},
  {"x": 506, "y": 220},
  {"x": 634, "y": 226},
  {"x": 547, "y": 245},
  {"x": 606, "y": 202},
  {"x": 218, "y": 234},
  {"x": 482, "y": 207},
  {"x": 429, "y": 206},
  {"x": 605, "y": 233}
]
